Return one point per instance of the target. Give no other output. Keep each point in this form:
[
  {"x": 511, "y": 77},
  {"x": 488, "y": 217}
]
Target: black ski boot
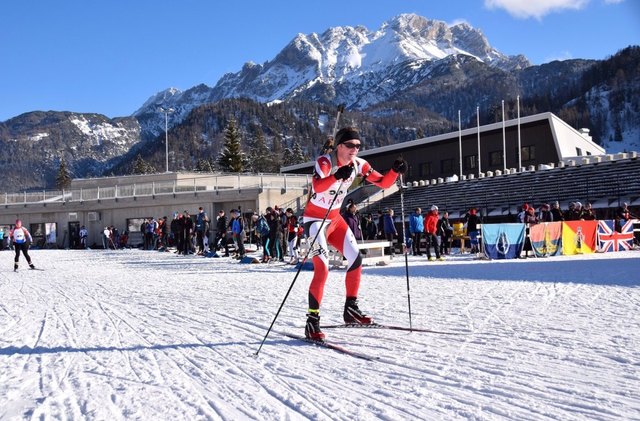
[
  {"x": 32, "y": 266},
  {"x": 353, "y": 314},
  {"x": 312, "y": 328},
  {"x": 15, "y": 267}
]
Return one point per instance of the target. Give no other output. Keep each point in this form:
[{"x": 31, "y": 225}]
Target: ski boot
[
  {"x": 353, "y": 314},
  {"x": 15, "y": 267},
  {"x": 32, "y": 266},
  {"x": 312, "y": 328}
]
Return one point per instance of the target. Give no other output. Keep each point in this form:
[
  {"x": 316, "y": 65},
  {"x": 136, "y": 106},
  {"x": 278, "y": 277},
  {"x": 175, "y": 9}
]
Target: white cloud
[{"x": 525, "y": 9}]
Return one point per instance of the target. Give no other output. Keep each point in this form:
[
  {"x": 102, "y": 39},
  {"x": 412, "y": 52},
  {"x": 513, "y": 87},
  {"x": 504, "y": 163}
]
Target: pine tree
[
  {"x": 232, "y": 158},
  {"x": 287, "y": 157},
  {"x": 260, "y": 157},
  {"x": 204, "y": 165},
  {"x": 298, "y": 155},
  {"x": 63, "y": 179},
  {"x": 140, "y": 166}
]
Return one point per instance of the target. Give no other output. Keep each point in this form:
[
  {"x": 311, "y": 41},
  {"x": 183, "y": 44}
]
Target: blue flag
[{"x": 503, "y": 241}]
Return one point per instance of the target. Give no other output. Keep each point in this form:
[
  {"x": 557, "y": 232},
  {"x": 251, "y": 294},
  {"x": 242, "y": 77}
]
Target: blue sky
[{"x": 109, "y": 57}]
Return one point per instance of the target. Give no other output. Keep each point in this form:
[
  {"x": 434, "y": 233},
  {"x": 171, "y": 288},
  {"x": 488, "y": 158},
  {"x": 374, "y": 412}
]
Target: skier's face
[{"x": 348, "y": 150}]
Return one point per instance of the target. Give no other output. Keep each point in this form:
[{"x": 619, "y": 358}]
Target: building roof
[{"x": 567, "y": 140}]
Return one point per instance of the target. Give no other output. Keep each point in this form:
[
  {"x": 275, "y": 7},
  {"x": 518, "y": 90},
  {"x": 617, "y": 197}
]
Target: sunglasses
[{"x": 351, "y": 145}]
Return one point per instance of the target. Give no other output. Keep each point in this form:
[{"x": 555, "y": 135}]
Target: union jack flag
[{"x": 611, "y": 240}]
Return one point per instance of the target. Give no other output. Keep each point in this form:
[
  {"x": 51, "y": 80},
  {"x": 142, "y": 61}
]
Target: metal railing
[{"x": 183, "y": 185}]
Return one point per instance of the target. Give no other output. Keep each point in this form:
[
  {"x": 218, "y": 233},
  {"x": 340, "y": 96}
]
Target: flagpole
[
  {"x": 478, "y": 123},
  {"x": 460, "y": 141},
  {"x": 519, "y": 143},
  {"x": 504, "y": 142}
]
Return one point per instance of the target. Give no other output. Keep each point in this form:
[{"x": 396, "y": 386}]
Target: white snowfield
[{"x": 152, "y": 336}]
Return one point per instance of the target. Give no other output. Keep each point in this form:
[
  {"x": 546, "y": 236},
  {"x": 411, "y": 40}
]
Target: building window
[
  {"x": 578, "y": 152},
  {"x": 446, "y": 166},
  {"x": 425, "y": 169},
  {"x": 528, "y": 153},
  {"x": 588, "y": 153},
  {"x": 495, "y": 158},
  {"x": 470, "y": 162}
]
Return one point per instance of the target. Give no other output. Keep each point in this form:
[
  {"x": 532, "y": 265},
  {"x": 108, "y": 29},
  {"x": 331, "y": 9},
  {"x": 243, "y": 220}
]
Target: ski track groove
[
  {"x": 371, "y": 366},
  {"x": 179, "y": 393}
]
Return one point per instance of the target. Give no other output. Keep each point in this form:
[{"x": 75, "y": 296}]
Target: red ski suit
[{"x": 335, "y": 230}]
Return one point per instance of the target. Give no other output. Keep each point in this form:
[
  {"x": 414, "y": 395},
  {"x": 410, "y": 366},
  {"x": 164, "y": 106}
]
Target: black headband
[{"x": 346, "y": 134}]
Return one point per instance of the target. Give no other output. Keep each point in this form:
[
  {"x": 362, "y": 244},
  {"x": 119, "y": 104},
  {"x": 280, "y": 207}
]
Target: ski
[
  {"x": 387, "y": 327},
  {"x": 332, "y": 346}
]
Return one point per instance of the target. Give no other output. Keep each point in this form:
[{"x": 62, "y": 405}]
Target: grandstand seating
[{"x": 604, "y": 184}]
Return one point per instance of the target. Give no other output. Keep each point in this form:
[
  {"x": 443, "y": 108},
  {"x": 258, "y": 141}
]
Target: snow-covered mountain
[
  {"x": 409, "y": 63},
  {"x": 351, "y": 65}
]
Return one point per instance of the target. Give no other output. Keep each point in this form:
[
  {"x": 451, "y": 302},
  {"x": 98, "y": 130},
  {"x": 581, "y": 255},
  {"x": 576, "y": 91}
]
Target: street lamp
[{"x": 166, "y": 112}]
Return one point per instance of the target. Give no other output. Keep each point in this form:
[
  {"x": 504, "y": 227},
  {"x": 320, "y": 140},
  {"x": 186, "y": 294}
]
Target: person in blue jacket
[
  {"x": 390, "y": 231},
  {"x": 416, "y": 229}
]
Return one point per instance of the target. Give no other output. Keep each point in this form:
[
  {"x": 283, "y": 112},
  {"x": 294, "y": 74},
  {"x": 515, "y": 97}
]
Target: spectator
[
  {"x": 201, "y": 227},
  {"x": 173, "y": 231},
  {"x": 221, "y": 233},
  {"x": 587, "y": 213},
  {"x": 84, "y": 234},
  {"x": 431, "y": 232},
  {"x": 124, "y": 240},
  {"x": 275, "y": 236},
  {"x": 471, "y": 221},
  {"x": 292, "y": 236},
  {"x": 529, "y": 219},
  {"x": 571, "y": 214},
  {"x": 557, "y": 213},
  {"x": 390, "y": 231},
  {"x": 446, "y": 232},
  {"x": 237, "y": 230},
  {"x": 622, "y": 216},
  {"x": 106, "y": 237},
  {"x": 545, "y": 214},
  {"x": 352, "y": 218},
  {"x": 416, "y": 230},
  {"x": 523, "y": 213},
  {"x": 263, "y": 229},
  {"x": 369, "y": 227},
  {"x": 187, "y": 234}
]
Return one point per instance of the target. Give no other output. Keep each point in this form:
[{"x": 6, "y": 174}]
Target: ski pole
[
  {"x": 404, "y": 239},
  {"x": 301, "y": 266}
]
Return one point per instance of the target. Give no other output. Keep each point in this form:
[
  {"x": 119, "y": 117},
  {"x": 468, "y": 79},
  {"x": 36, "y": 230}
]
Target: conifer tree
[
  {"x": 260, "y": 156},
  {"x": 287, "y": 157},
  {"x": 140, "y": 166},
  {"x": 231, "y": 159},
  {"x": 298, "y": 155},
  {"x": 63, "y": 179},
  {"x": 204, "y": 165}
]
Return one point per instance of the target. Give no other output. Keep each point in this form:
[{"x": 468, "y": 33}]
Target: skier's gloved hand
[
  {"x": 399, "y": 166},
  {"x": 344, "y": 172}
]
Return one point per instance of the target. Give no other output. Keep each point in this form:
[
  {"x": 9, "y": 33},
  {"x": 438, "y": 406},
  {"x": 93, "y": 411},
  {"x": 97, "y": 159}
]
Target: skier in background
[
  {"x": 21, "y": 241},
  {"x": 334, "y": 173}
]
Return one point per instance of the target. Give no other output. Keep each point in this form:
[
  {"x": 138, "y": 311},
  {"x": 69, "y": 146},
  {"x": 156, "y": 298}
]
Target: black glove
[
  {"x": 399, "y": 166},
  {"x": 343, "y": 172}
]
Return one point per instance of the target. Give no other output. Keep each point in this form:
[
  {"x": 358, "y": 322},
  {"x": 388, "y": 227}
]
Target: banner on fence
[
  {"x": 503, "y": 241},
  {"x": 579, "y": 237},
  {"x": 611, "y": 240},
  {"x": 546, "y": 238}
]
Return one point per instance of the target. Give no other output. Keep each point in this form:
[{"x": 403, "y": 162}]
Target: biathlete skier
[
  {"x": 21, "y": 239},
  {"x": 334, "y": 173}
]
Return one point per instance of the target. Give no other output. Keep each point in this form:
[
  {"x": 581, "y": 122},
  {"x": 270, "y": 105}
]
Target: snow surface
[{"x": 114, "y": 335}]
